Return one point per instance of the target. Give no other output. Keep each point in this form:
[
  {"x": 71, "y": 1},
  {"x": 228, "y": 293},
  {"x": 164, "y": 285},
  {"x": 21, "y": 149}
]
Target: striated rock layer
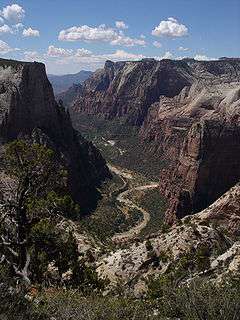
[
  {"x": 28, "y": 108},
  {"x": 188, "y": 112}
]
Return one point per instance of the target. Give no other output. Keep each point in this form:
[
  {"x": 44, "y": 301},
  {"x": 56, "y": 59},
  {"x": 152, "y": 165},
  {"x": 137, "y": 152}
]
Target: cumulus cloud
[
  {"x": 31, "y": 32},
  {"x": 31, "y": 55},
  {"x": 82, "y": 58},
  {"x": 18, "y": 26},
  {"x": 87, "y": 33},
  {"x": 122, "y": 55},
  {"x": 183, "y": 49},
  {"x": 5, "y": 29},
  {"x": 100, "y": 33},
  {"x": 202, "y": 57},
  {"x": 170, "y": 28},
  {"x": 13, "y": 13},
  {"x": 63, "y": 53},
  {"x": 122, "y": 40},
  {"x": 167, "y": 55},
  {"x": 1, "y": 20},
  {"x": 157, "y": 44},
  {"x": 80, "y": 54},
  {"x": 121, "y": 25},
  {"x": 59, "y": 52},
  {"x": 83, "y": 53},
  {"x": 5, "y": 48}
]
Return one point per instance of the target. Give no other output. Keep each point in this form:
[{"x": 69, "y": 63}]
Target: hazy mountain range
[{"x": 63, "y": 82}]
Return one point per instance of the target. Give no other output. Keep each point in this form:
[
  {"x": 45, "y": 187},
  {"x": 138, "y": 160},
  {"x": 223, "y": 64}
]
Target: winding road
[{"x": 123, "y": 199}]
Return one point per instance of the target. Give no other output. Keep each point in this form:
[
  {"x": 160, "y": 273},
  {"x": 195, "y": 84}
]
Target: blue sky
[{"x": 81, "y": 34}]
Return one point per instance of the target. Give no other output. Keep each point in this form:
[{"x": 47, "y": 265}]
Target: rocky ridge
[{"x": 28, "y": 108}]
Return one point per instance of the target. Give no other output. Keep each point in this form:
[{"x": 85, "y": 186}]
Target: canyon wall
[
  {"x": 188, "y": 113},
  {"x": 28, "y": 108}
]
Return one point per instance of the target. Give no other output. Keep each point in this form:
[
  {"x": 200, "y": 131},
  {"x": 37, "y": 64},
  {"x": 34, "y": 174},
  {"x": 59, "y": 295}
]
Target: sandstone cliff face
[
  {"x": 188, "y": 110},
  {"x": 28, "y": 108},
  {"x": 198, "y": 132},
  {"x": 129, "y": 88}
]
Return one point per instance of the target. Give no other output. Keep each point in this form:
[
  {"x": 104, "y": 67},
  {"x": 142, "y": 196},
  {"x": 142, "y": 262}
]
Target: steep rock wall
[
  {"x": 188, "y": 110},
  {"x": 27, "y": 103}
]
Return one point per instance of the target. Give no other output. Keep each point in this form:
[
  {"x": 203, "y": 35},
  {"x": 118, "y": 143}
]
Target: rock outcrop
[
  {"x": 129, "y": 88},
  {"x": 198, "y": 132},
  {"x": 28, "y": 108},
  {"x": 188, "y": 112},
  {"x": 202, "y": 245}
]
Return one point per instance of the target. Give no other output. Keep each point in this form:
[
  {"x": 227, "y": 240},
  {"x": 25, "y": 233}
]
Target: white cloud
[
  {"x": 181, "y": 57},
  {"x": 1, "y": 20},
  {"x": 5, "y": 29},
  {"x": 5, "y": 48},
  {"x": 122, "y": 40},
  {"x": 121, "y": 25},
  {"x": 170, "y": 28},
  {"x": 119, "y": 55},
  {"x": 31, "y": 33},
  {"x": 100, "y": 33},
  {"x": 202, "y": 57},
  {"x": 59, "y": 52},
  {"x": 82, "y": 58},
  {"x": 167, "y": 55},
  {"x": 183, "y": 49},
  {"x": 18, "y": 26},
  {"x": 31, "y": 55},
  {"x": 83, "y": 53},
  {"x": 13, "y": 13},
  {"x": 142, "y": 36},
  {"x": 87, "y": 33},
  {"x": 63, "y": 53},
  {"x": 157, "y": 44}
]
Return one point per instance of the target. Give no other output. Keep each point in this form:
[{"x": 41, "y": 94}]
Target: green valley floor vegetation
[{"x": 119, "y": 143}]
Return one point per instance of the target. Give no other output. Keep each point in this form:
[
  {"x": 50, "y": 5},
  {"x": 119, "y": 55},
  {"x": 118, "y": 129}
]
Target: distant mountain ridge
[{"x": 62, "y": 83}]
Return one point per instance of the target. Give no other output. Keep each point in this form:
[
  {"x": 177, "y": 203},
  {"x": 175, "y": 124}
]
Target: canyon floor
[
  {"x": 132, "y": 240},
  {"x": 131, "y": 199}
]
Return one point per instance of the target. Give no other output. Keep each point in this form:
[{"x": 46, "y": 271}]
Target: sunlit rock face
[{"x": 188, "y": 113}]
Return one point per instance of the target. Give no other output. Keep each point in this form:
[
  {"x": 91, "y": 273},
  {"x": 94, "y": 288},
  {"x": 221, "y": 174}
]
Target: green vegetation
[
  {"x": 200, "y": 300},
  {"x": 108, "y": 220},
  {"x": 128, "y": 151},
  {"x": 34, "y": 202},
  {"x": 121, "y": 146},
  {"x": 156, "y": 206},
  {"x": 193, "y": 261}
]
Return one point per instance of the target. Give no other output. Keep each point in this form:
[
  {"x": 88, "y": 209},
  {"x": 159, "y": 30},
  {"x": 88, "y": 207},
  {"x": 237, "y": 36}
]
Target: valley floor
[{"x": 131, "y": 205}]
